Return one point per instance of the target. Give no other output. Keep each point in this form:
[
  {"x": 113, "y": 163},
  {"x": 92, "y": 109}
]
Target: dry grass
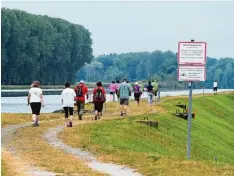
[
  {"x": 28, "y": 141},
  {"x": 11, "y": 165},
  {"x": 12, "y": 119}
]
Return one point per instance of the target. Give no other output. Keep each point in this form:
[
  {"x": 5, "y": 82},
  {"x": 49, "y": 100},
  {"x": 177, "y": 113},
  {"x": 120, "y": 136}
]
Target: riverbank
[{"x": 19, "y": 87}]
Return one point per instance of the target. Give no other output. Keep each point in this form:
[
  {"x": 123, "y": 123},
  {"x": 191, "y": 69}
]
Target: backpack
[
  {"x": 79, "y": 92},
  {"x": 99, "y": 95},
  {"x": 136, "y": 89}
]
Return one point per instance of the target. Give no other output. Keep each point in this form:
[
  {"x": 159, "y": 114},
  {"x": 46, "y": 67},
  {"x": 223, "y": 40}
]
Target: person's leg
[
  {"x": 71, "y": 115},
  {"x": 148, "y": 98},
  {"x": 125, "y": 107},
  {"x": 100, "y": 109},
  {"x": 138, "y": 99},
  {"x": 38, "y": 109},
  {"x": 78, "y": 107},
  {"x": 66, "y": 116},
  {"x": 82, "y": 105},
  {"x": 34, "y": 117},
  {"x": 151, "y": 99},
  {"x": 121, "y": 102},
  {"x": 95, "y": 111}
]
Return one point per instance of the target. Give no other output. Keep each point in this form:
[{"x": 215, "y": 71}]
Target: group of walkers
[{"x": 69, "y": 95}]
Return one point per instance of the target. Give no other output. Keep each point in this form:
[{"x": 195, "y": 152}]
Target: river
[{"x": 16, "y": 100}]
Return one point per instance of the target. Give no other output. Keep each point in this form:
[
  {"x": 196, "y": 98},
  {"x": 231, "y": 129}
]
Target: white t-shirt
[
  {"x": 68, "y": 95},
  {"x": 215, "y": 84},
  {"x": 35, "y": 93}
]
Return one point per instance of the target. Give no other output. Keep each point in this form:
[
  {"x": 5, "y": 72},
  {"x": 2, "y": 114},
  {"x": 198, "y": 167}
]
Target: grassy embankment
[
  {"x": 151, "y": 151},
  {"x": 162, "y": 151}
]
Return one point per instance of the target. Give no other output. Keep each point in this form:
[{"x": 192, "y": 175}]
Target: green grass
[{"x": 162, "y": 151}]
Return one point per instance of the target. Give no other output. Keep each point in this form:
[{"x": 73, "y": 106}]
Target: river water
[{"x": 18, "y": 103}]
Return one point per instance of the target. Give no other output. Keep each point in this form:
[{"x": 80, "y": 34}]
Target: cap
[{"x": 81, "y": 81}]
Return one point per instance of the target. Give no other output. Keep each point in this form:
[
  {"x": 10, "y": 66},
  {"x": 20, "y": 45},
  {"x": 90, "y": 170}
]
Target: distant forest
[
  {"x": 36, "y": 47},
  {"x": 53, "y": 51},
  {"x": 158, "y": 65}
]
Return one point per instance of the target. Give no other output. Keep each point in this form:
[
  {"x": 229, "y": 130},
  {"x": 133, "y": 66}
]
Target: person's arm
[
  {"x": 29, "y": 95},
  {"x": 42, "y": 99},
  {"x": 87, "y": 92},
  {"x": 74, "y": 94},
  {"x": 62, "y": 97}
]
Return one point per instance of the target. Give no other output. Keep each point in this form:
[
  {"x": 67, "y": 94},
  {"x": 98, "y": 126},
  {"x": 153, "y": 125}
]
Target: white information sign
[
  {"x": 191, "y": 73},
  {"x": 192, "y": 53}
]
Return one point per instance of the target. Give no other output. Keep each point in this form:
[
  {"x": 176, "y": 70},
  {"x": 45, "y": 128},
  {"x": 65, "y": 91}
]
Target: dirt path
[
  {"x": 13, "y": 157},
  {"x": 109, "y": 168}
]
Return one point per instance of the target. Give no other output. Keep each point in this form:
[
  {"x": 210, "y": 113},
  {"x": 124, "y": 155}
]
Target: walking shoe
[
  {"x": 121, "y": 114},
  {"x": 80, "y": 117},
  {"x": 34, "y": 124},
  {"x": 70, "y": 124}
]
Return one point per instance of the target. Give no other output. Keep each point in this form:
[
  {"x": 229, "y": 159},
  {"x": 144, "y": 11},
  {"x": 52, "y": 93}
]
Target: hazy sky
[{"x": 145, "y": 26}]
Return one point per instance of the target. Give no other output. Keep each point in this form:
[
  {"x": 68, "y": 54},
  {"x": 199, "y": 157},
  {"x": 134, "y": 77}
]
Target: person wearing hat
[
  {"x": 81, "y": 90},
  {"x": 137, "y": 93}
]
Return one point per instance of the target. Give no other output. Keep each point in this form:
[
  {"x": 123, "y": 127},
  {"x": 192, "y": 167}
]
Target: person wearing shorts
[
  {"x": 35, "y": 99},
  {"x": 68, "y": 96},
  {"x": 124, "y": 90},
  {"x": 99, "y": 98}
]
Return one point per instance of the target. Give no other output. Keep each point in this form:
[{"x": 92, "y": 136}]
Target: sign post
[{"x": 191, "y": 67}]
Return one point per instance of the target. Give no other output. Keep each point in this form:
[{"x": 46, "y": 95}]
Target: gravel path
[
  {"x": 109, "y": 168},
  {"x": 7, "y": 134}
]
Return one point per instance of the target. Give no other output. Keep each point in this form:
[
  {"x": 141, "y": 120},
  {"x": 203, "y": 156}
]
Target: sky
[{"x": 119, "y": 27}]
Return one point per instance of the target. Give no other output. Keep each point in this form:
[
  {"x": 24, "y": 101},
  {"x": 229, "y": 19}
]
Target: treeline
[
  {"x": 158, "y": 65},
  {"x": 36, "y": 47}
]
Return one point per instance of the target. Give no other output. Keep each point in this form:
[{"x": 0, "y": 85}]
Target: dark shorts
[
  {"x": 215, "y": 88},
  {"x": 124, "y": 101},
  {"x": 68, "y": 109},
  {"x": 98, "y": 106},
  {"x": 111, "y": 93},
  {"x": 137, "y": 96},
  {"x": 36, "y": 108}
]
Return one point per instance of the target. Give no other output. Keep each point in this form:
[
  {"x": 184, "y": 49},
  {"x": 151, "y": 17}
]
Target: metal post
[
  {"x": 189, "y": 120},
  {"x": 203, "y": 91},
  {"x": 158, "y": 94}
]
